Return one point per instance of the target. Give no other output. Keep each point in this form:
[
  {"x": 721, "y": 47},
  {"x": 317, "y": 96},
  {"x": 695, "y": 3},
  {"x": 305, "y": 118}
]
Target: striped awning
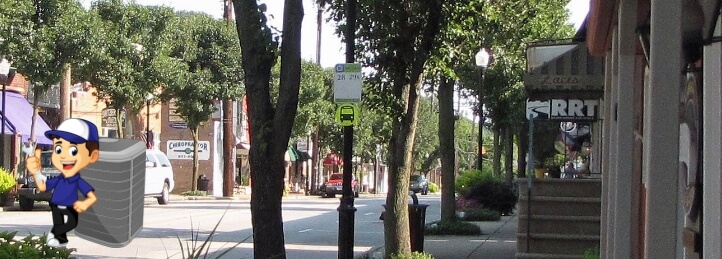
[{"x": 574, "y": 72}]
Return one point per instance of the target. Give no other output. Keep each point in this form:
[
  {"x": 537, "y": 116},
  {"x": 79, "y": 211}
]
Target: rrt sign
[{"x": 347, "y": 83}]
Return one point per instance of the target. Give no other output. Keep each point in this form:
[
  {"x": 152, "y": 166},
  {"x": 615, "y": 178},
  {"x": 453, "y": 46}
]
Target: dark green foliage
[
  {"x": 29, "y": 247},
  {"x": 488, "y": 190},
  {"x": 480, "y": 214},
  {"x": 414, "y": 255},
  {"x": 455, "y": 228},
  {"x": 591, "y": 253}
]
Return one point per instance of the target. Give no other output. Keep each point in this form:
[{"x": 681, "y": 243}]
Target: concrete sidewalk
[{"x": 498, "y": 241}]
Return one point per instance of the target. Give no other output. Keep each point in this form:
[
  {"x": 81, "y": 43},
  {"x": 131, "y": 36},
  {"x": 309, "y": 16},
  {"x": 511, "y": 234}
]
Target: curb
[{"x": 370, "y": 254}]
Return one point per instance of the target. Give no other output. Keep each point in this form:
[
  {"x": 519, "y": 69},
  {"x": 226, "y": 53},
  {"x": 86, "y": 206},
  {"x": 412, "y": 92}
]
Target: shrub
[
  {"x": 29, "y": 247},
  {"x": 591, "y": 253},
  {"x": 433, "y": 188},
  {"x": 194, "y": 251},
  {"x": 488, "y": 190},
  {"x": 194, "y": 193},
  {"x": 481, "y": 214},
  {"x": 452, "y": 228},
  {"x": 414, "y": 255},
  {"x": 7, "y": 182}
]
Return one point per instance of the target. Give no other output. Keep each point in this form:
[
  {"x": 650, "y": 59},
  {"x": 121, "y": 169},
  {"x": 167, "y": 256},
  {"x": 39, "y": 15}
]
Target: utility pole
[
  {"x": 314, "y": 138},
  {"x": 228, "y": 136},
  {"x": 346, "y": 210}
]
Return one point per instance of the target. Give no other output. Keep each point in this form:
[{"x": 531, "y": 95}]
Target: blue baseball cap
[{"x": 76, "y": 131}]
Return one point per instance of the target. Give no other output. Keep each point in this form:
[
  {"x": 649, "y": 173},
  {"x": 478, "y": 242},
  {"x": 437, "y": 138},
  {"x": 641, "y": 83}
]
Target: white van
[{"x": 158, "y": 176}]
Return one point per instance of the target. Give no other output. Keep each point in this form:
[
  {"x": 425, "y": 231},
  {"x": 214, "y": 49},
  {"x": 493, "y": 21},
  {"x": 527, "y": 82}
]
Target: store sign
[
  {"x": 562, "y": 109},
  {"x": 183, "y": 149},
  {"x": 109, "y": 119}
]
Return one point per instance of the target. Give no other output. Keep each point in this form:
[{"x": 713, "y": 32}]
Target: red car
[{"x": 334, "y": 185}]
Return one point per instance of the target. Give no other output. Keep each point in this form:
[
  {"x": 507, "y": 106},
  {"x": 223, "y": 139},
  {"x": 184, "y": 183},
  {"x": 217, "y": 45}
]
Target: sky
[{"x": 331, "y": 45}]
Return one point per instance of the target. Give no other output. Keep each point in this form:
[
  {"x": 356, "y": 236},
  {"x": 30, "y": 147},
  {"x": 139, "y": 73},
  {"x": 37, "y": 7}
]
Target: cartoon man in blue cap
[{"x": 75, "y": 146}]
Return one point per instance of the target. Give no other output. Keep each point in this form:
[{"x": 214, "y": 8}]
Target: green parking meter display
[{"x": 347, "y": 114}]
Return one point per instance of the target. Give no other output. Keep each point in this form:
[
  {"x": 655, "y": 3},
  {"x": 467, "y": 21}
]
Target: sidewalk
[{"x": 498, "y": 241}]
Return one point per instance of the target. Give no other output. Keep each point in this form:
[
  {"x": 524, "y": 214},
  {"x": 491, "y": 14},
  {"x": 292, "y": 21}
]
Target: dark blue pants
[{"x": 60, "y": 227}]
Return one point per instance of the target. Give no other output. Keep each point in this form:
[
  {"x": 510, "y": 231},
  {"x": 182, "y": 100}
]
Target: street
[{"x": 310, "y": 225}]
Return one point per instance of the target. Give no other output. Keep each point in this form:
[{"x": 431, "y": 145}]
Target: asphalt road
[{"x": 310, "y": 226}]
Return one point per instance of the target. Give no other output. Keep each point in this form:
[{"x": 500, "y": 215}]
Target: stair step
[
  {"x": 564, "y": 225},
  {"x": 557, "y": 244},
  {"x": 561, "y": 206},
  {"x": 547, "y": 256}
]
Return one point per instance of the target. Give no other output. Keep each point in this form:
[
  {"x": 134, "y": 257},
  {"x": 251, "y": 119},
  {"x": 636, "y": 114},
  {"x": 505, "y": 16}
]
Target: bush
[
  {"x": 591, "y": 253},
  {"x": 487, "y": 190},
  {"x": 414, "y": 255},
  {"x": 7, "y": 182},
  {"x": 29, "y": 247},
  {"x": 481, "y": 214},
  {"x": 433, "y": 188},
  {"x": 455, "y": 228},
  {"x": 194, "y": 193}
]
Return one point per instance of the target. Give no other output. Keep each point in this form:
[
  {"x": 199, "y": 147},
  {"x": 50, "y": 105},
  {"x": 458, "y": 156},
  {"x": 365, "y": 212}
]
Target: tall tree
[
  {"x": 44, "y": 36},
  {"x": 131, "y": 58},
  {"x": 396, "y": 38},
  {"x": 210, "y": 70},
  {"x": 270, "y": 124}
]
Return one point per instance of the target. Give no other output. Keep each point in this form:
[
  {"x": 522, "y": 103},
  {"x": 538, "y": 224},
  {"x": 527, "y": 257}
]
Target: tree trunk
[
  {"x": 65, "y": 93},
  {"x": 508, "y": 155},
  {"x": 497, "y": 150},
  {"x": 314, "y": 160},
  {"x": 446, "y": 145},
  {"x": 270, "y": 127},
  {"x": 522, "y": 146},
  {"x": 194, "y": 181},
  {"x": 36, "y": 96},
  {"x": 396, "y": 222},
  {"x": 118, "y": 121}
]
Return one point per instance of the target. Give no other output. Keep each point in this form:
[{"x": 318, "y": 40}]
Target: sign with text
[
  {"x": 562, "y": 109},
  {"x": 183, "y": 149},
  {"x": 175, "y": 120},
  {"x": 109, "y": 119},
  {"x": 347, "y": 83}
]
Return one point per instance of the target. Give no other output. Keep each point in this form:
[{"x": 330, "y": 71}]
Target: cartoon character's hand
[
  {"x": 81, "y": 206},
  {"x": 32, "y": 163}
]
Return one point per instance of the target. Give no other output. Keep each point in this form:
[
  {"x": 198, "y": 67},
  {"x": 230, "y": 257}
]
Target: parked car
[
  {"x": 334, "y": 185},
  {"x": 158, "y": 176},
  {"x": 419, "y": 184},
  {"x": 28, "y": 192}
]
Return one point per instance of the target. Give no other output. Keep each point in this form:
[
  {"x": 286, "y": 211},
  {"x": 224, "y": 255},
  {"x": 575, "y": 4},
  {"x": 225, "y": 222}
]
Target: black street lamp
[
  {"x": 482, "y": 60},
  {"x": 148, "y": 98},
  {"x": 5, "y": 62}
]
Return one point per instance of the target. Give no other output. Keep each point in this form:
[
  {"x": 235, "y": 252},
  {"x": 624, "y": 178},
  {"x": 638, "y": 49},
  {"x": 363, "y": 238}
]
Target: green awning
[{"x": 292, "y": 154}]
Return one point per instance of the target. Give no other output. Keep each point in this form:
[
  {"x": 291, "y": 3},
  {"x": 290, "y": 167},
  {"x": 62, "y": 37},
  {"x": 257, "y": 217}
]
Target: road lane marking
[
  {"x": 370, "y": 213},
  {"x": 305, "y": 230}
]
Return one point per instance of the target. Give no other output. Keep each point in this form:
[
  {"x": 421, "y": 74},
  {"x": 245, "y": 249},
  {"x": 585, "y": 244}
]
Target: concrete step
[
  {"x": 547, "y": 256},
  {"x": 563, "y": 187},
  {"x": 566, "y": 225},
  {"x": 557, "y": 244},
  {"x": 560, "y": 206}
]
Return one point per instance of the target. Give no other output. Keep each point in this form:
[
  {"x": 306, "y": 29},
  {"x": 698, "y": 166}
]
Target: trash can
[
  {"x": 417, "y": 225},
  {"x": 203, "y": 183}
]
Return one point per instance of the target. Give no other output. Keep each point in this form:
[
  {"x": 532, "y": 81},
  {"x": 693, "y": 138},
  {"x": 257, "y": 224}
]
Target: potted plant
[
  {"x": 7, "y": 182},
  {"x": 539, "y": 170}
]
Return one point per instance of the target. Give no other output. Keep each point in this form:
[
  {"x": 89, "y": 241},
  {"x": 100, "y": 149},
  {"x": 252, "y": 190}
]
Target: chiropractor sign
[{"x": 562, "y": 109}]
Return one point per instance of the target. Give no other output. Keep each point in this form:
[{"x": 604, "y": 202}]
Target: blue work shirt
[{"x": 66, "y": 189}]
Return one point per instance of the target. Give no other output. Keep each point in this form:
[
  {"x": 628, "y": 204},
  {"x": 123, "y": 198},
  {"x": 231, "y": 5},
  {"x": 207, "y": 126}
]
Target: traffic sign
[
  {"x": 347, "y": 114},
  {"x": 347, "y": 83}
]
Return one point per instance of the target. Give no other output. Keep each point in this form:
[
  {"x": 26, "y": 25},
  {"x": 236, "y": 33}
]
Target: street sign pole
[{"x": 346, "y": 210}]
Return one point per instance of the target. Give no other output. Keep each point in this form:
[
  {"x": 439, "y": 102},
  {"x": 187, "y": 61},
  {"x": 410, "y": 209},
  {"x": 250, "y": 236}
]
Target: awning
[
  {"x": 19, "y": 115},
  {"x": 573, "y": 73}
]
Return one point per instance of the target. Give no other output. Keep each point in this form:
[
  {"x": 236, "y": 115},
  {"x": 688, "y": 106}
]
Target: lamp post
[
  {"x": 4, "y": 72},
  {"x": 482, "y": 60},
  {"x": 148, "y": 98}
]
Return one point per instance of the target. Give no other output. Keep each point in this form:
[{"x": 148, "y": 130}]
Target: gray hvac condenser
[{"x": 119, "y": 181}]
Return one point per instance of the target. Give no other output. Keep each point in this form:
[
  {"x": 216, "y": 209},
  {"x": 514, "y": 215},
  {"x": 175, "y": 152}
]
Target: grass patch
[
  {"x": 194, "y": 193},
  {"x": 480, "y": 214},
  {"x": 456, "y": 228}
]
